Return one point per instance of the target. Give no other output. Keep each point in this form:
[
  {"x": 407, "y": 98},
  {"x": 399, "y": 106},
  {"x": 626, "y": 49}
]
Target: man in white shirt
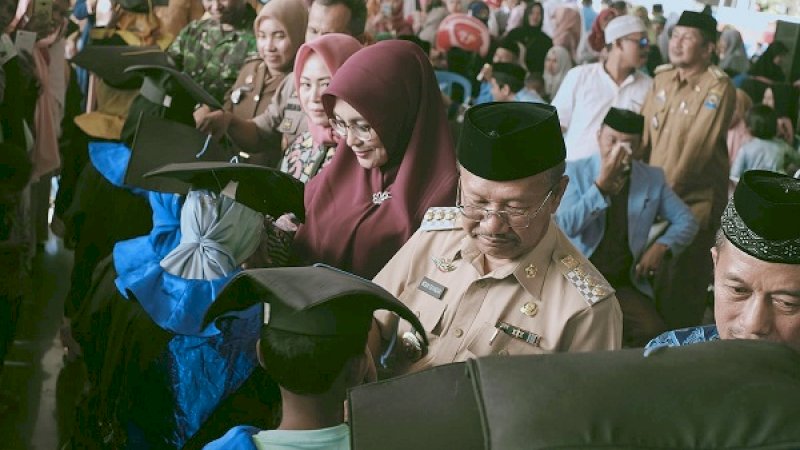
[{"x": 588, "y": 91}]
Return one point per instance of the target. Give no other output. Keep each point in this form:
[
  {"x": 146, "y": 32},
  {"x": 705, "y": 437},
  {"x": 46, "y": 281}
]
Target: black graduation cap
[
  {"x": 313, "y": 301},
  {"x": 504, "y": 141},
  {"x": 624, "y": 121},
  {"x": 154, "y": 91},
  {"x": 705, "y": 395},
  {"x": 159, "y": 142},
  {"x": 110, "y": 62},
  {"x": 701, "y": 21},
  {"x": 763, "y": 217},
  {"x": 263, "y": 189}
]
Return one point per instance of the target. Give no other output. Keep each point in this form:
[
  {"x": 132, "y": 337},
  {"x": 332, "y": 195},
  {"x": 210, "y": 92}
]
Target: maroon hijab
[{"x": 392, "y": 85}]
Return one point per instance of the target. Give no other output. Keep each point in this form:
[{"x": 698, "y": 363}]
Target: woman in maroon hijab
[{"x": 396, "y": 159}]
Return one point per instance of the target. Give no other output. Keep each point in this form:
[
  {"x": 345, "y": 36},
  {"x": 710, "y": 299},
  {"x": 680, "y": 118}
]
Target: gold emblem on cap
[
  {"x": 531, "y": 271},
  {"x": 444, "y": 264},
  {"x": 530, "y": 309}
]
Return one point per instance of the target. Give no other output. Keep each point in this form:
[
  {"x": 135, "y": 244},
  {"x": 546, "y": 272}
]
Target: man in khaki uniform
[
  {"x": 496, "y": 275},
  {"x": 687, "y": 113}
]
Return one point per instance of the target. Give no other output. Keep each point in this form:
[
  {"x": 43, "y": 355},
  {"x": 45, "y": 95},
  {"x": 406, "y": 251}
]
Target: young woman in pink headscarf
[
  {"x": 315, "y": 65},
  {"x": 395, "y": 160},
  {"x": 567, "y": 34}
]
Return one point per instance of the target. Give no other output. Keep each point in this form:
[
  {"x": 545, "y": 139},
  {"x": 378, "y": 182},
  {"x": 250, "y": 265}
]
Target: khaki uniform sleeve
[
  {"x": 394, "y": 278},
  {"x": 268, "y": 121},
  {"x": 595, "y": 328},
  {"x": 704, "y": 139},
  {"x": 648, "y": 110}
]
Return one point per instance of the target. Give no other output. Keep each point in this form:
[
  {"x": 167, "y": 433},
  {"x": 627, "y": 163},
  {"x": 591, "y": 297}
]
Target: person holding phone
[{"x": 612, "y": 201}]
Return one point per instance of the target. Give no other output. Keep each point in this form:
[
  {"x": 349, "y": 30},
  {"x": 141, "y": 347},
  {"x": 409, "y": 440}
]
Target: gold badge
[
  {"x": 570, "y": 262},
  {"x": 531, "y": 271},
  {"x": 599, "y": 291},
  {"x": 444, "y": 264},
  {"x": 530, "y": 309}
]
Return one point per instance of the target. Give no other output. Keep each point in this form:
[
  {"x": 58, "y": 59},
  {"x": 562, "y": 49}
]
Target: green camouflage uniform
[{"x": 213, "y": 56}]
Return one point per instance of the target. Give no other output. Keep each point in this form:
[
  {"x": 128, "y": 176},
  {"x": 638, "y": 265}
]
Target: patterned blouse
[
  {"x": 303, "y": 161},
  {"x": 684, "y": 336}
]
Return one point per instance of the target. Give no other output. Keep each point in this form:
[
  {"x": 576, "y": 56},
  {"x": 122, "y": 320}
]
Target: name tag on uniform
[
  {"x": 432, "y": 288},
  {"x": 519, "y": 333},
  {"x": 292, "y": 107}
]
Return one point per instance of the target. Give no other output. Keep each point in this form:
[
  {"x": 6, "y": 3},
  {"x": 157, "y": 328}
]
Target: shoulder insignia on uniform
[
  {"x": 586, "y": 279},
  {"x": 440, "y": 218},
  {"x": 717, "y": 72},
  {"x": 252, "y": 58},
  {"x": 663, "y": 68}
]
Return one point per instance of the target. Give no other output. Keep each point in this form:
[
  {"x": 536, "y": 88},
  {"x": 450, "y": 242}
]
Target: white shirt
[{"x": 584, "y": 98}]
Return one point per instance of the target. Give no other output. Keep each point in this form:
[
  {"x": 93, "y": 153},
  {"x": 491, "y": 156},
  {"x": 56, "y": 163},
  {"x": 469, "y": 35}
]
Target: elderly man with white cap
[{"x": 588, "y": 91}]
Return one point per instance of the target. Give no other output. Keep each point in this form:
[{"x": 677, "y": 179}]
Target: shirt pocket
[
  {"x": 429, "y": 310},
  {"x": 291, "y": 120}
]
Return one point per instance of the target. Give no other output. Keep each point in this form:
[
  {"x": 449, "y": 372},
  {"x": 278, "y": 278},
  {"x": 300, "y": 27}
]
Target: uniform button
[
  {"x": 459, "y": 332},
  {"x": 503, "y": 352}
]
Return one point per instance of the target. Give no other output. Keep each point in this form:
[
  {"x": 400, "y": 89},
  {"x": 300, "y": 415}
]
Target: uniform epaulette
[
  {"x": 663, "y": 68},
  {"x": 441, "y": 218},
  {"x": 252, "y": 58},
  {"x": 717, "y": 72},
  {"x": 586, "y": 279}
]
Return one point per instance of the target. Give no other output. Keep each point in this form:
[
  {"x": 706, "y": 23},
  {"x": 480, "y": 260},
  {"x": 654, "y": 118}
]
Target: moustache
[{"x": 476, "y": 233}]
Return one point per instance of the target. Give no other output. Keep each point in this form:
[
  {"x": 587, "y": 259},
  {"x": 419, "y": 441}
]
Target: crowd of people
[{"x": 515, "y": 178}]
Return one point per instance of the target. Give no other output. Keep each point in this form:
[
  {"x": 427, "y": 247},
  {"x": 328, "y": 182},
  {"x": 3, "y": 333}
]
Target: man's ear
[{"x": 714, "y": 255}]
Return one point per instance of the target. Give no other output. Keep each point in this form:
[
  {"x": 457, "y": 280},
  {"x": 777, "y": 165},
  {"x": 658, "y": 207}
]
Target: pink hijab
[
  {"x": 567, "y": 32},
  {"x": 392, "y": 85},
  {"x": 334, "y": 49}
]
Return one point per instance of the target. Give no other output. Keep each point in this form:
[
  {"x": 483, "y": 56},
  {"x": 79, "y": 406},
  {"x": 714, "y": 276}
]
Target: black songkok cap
[
  {"x": 506, "y": 72},
  {"x": 264, "y": 189},
  {"x": 701, "y": 21},
  {"x": 510, "y": 140},
  {"x": 311, "y": 301},
  {"x": 763, "y": 217},
  {"x": 624, "y": 121}
]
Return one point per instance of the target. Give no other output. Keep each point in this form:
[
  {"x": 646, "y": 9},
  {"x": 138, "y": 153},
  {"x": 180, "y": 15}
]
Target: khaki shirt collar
[{"x": 529, "y": 269}]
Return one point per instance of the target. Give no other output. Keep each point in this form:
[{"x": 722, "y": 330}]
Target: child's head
[
  {"x": 535, "y": 82},
  {"x": 507, "y": 80},
  {"x": 313, "y": 365},
  {"x": 762, "y": 122}
]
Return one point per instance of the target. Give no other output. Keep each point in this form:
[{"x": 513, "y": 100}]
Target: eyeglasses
[
  {"x": 362, "y": 132},
  {"x": 643, "y": 42},
  {"x": 513, "y": 219}
]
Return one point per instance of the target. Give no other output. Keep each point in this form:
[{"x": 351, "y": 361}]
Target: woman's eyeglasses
[{"x": 361, "y": 132}]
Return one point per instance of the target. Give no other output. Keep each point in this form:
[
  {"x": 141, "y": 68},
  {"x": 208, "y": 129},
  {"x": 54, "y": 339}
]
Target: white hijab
[{"x": 217, "y": 235}]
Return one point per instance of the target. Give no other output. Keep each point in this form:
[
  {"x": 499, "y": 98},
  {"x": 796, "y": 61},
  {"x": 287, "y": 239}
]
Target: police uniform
[
  {"x": 252, "y": 91},
  {"x": 686, "y": 125},
  {"x": 549, "y": 300},
  {"x": 283, "y": 115}
]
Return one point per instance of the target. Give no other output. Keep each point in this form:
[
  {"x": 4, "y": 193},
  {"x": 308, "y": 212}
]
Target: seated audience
[
  {"x": 764, "y": 151},
  {"x": 612, "y": 201},
  {"x": 212, "y": 51},
  {"x": 534, "y": 87},
  {"x": 567, "y": 33},
  {"x": 395, "y": 159},
  {"x": 316, "y": 64},
  {"x": 313, "y": 346},
  {"x": 732, "y": 55},
  {"x": 508, "y": 83},
  {"x": 556, "y": 65},
  {"x": 592, "y": 48},
  {"x": 280, "y": 30},
  {"x": 756, "y": 266},
  {"x": 283, "y": 119},
  {"x": 531, "y": 36}
]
